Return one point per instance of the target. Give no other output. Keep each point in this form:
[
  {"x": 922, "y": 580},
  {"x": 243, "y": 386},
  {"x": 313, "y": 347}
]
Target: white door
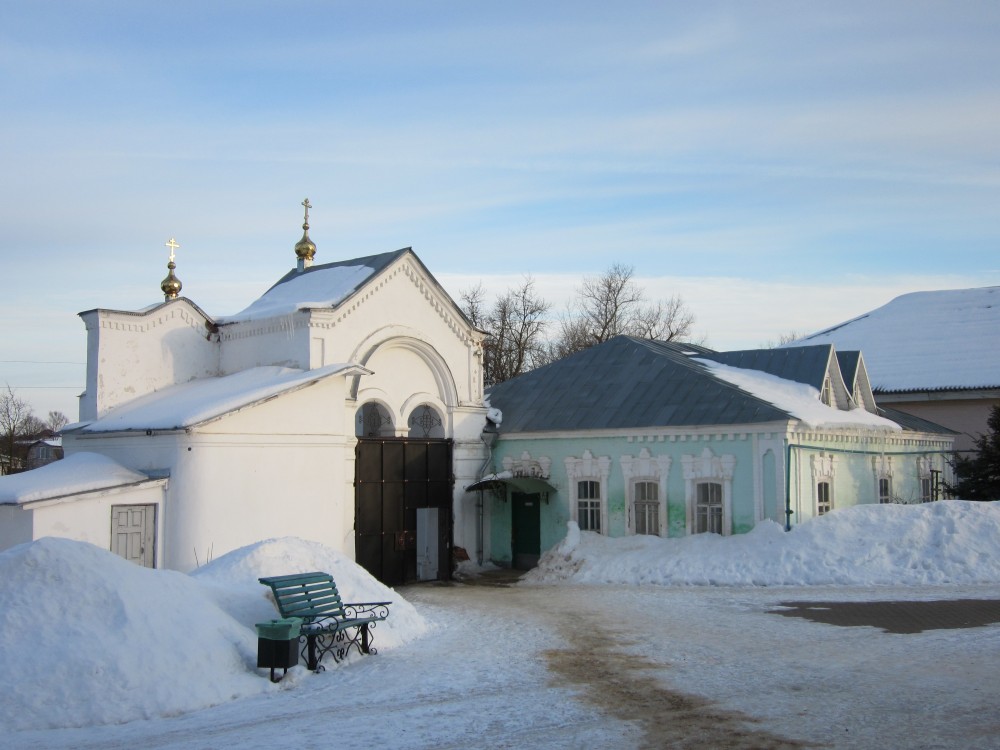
[
  {"x": 133, "y": 533},
  {"x": 427, "y": 544}
]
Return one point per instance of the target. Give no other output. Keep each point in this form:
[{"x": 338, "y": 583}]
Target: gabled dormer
[
  {"x": 855, "y": 374},
  {"x": 815, "y": 366}
]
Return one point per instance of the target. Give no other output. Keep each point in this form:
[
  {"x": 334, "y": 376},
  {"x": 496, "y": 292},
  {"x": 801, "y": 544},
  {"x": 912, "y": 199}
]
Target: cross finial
[
  {"x": 172, "y": 244},
  {"x": 308, "y": 205}
]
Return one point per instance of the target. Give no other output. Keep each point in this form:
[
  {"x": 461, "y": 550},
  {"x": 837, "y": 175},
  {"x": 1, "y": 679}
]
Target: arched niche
[
  {"x": 373, "y": 420},
  {"x": 377, "y": 350},
  {"x": 425, "y": 422}
]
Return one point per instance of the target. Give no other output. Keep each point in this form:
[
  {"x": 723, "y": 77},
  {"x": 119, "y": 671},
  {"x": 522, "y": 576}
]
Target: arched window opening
[
  {"x": 373, "y": 421},
  {"x": 425, "y": 422}
]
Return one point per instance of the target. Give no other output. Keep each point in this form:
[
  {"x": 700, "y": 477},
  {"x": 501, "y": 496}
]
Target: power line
[
  {"x": 37, "y": 362},
  {"x": 47, "y": 387}
]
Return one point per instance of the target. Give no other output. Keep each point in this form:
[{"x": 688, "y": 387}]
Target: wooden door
[{"x": 133, "y": 533}]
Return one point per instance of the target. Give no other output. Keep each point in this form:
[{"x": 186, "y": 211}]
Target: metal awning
[{"x": 518, "y": 484}]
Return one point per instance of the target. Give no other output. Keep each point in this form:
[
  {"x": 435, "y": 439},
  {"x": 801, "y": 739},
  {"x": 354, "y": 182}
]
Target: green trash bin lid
[{"x": 284, "y": 629}]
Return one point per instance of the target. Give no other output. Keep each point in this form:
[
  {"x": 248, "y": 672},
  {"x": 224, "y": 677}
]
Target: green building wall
[{"x": 763, "y": 463}]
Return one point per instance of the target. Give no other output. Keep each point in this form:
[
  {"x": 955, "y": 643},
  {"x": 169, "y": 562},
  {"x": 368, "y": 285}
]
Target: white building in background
[{"x": 344, "y": 406}]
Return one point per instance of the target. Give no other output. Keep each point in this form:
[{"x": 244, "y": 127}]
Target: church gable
[{"x": 130, "y": 354}]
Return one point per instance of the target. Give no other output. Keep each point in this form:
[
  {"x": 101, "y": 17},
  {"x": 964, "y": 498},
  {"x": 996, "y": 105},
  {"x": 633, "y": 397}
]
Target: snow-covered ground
[{"x": 679, "y": 645}]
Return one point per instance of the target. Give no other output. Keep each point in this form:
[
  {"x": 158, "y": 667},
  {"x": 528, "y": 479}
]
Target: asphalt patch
[{"x": 898, "y": 616}]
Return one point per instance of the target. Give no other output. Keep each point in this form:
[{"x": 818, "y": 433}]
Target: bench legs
[{"x": 339, "y": 643}]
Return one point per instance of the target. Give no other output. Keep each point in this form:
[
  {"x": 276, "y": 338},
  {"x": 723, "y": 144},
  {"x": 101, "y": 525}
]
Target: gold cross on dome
[
  {"x": 308, "y": 205},
  {"x": 172, "y": 244}
]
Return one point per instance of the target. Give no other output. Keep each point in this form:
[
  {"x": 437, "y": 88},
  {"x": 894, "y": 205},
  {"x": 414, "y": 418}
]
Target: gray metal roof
[
  {"x": 802, "y": 364},
  {"x": 911, "y": 423},
  {"x": 374, "y": 262},
  {"x": 626, "y": 383}
]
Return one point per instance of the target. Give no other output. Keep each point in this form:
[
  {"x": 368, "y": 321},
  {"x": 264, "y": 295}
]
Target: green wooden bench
[{"x": 329, "y": 626}]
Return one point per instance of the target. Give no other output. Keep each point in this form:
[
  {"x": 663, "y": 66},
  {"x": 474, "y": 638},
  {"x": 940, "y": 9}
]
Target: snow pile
[
  {"x": 88, "y": 638},
  {"x": 232, "y": 580},
  {"x": 798, "y": 399},
  {"x": 80, "y": 472},
  {"x": 946, "y": 542}
]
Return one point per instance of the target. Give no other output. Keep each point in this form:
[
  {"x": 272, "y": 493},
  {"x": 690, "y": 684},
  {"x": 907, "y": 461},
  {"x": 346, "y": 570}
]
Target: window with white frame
[
  {"x": 588, "y": 505},
  {"x": 646, "y": 507},
  {"x": 708, "y": 481},
  {"x": 925, "y": 473},
  {"x": 588, "y": 478},
  {"x": 827, "y": 394},
  {"x": 824, "y": 498},
  {"x": 645, "y": 478},
  {"x": 824, "y": 465},
  {"x": 885, "y": 489},
  {"x": 708, "y": 508},
  {"x": 882, "y": 466}
]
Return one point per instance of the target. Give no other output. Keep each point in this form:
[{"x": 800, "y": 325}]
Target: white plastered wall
[
  {"x": 272, "y": 469},
  {"x": 132, "y": 354},
  {"x": 85, "y": 516}
]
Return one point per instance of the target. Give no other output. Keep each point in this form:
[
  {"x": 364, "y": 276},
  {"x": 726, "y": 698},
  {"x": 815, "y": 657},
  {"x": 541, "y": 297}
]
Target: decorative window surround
[
  {"x": 824, "y": 466},
  {"x": 709, "y": 468},
  {"x": 882, "y": 467},
  {"x": 588, "y": 468},
  {"x": 526, "y": 466},
  {"x": 925, "y": 473},
  {"x": 646, "y": 468}
]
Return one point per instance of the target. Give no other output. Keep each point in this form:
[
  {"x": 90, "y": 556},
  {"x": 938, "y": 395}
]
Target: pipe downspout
[{"x": 788, "y": 487}]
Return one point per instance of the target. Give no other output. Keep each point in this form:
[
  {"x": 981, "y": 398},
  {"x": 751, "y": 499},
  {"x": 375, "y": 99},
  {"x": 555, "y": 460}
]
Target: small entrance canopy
[{"x": 500, "y": 482}]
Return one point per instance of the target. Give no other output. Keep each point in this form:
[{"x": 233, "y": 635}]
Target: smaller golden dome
[
  {"x": 305, "y": 248},
  {"x": 171, "y": 285}
]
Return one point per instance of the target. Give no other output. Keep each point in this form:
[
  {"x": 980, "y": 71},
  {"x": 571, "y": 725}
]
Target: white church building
[{"x": 343, "y": 406}]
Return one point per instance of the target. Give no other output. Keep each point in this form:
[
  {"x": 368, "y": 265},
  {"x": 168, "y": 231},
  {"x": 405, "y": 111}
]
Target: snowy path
[{"x": 531, "y": 666}]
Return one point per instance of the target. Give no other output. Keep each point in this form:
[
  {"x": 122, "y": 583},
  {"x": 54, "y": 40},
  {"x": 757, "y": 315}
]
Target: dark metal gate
[{"x": 393, "y": 478}]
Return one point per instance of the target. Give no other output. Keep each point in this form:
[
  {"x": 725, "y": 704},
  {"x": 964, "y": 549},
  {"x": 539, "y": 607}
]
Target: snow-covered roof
[
  {"x": 629, "y": 383},
  {"x": 80, "y": 472},
  {"x": 201, "y": 400},
  {"x": 319, "y": 286},
  {"x": 800, "y": 400},
  {"x": 940, "y": 340}
]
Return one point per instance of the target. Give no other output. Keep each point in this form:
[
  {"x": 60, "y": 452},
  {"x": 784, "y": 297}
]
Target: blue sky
[{"x": 781, "y": 165}]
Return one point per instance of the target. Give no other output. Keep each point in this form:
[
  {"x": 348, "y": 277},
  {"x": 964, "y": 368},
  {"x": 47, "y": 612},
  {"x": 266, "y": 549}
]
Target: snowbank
[
  {"x": 232, "y": 581},
  {"x": 88, "y": 638},
  {"x": 947, "y": 542}
]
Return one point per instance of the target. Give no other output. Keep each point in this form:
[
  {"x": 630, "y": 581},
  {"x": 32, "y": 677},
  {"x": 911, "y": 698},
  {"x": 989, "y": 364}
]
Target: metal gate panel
[{"x": 393, "y": 478}]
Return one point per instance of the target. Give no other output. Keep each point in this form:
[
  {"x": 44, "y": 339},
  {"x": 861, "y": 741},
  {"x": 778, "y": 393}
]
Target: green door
[{"x": 526, "y": 537}]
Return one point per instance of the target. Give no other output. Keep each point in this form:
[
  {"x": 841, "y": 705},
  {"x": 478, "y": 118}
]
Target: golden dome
[
  {"x": 305, "y": 248},
  {"x": 171, "y": 285}
]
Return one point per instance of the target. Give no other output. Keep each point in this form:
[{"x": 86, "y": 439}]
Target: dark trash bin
[{"x": 278, "y": 644}]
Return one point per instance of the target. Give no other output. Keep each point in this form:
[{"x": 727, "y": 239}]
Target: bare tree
[
  {"x": 614, "y": 304},
  {"x": 56, "y": 421},
  {"x": 784, "y": 338},
  {"x": 514, "y": 325},
  {"x": 16, "y": 420},
  {"x": 473, "y": 304}
]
